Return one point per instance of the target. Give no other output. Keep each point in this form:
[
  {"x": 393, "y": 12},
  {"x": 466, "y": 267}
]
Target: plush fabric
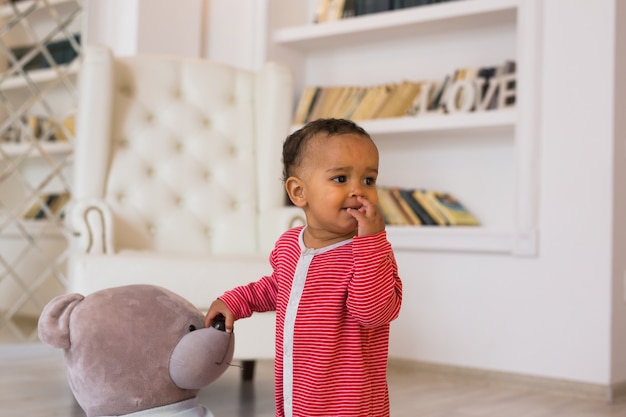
[{"x": 134, "y": 348}]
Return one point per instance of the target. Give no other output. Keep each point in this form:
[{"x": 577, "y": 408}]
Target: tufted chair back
[
  {"x": 177, "y": 177},
  {"x": 186, "y": 156}
]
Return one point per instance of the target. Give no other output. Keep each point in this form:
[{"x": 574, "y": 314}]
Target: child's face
[{"x": 334, "y": 172}]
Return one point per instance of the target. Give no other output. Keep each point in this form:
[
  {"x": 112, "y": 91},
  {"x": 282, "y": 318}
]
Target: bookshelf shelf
[
  {"x": 43, "y": 229},
  {"x": 453, "y": 239},
  {"x": 39, "y": 76},
  {"x": 456, "y": 238},
  {"x": 51, "y": 148},
  {"x": 480, "y": 120},
  {"x": 464, "y": 121},
  {"x": 395, "y": 23},
  {"x": 7, "y": 10}
]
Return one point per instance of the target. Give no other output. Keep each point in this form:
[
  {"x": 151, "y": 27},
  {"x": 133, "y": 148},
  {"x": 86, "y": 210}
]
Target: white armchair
[{"x": 177, "y": 179}]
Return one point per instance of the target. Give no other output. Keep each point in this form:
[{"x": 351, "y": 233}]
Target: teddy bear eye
[{"x": 192, "y": 327}]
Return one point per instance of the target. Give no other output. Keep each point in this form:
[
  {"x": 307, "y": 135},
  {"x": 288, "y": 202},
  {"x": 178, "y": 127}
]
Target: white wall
[
  {"x": 129, "y": 27},
  {"x": 235, "y": 32}
]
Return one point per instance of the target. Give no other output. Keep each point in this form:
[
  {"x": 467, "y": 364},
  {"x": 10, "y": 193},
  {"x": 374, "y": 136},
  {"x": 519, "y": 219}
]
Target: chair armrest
[
  {"x": 272, "y": 223},
  {"x": 92, "y": 223}
]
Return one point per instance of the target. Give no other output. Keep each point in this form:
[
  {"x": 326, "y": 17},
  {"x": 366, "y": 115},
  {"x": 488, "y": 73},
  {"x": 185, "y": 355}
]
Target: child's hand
[
  {"x": 219, "y": 307},
  {"x": 369, "y": 218}
]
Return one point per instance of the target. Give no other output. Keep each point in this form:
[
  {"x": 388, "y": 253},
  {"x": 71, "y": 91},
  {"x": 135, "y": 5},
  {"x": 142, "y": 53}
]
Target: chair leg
[{"x": 247, "y": 370}]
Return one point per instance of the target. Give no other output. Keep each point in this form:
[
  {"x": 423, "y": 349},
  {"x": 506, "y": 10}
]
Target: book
[
  {"x": 422, "y": 99},
  {"x": 407, "y": 195},
  {"x": 317, "y": 105},
  {"x": 392, "y": 213},
  {"x": 58, "y": 205},
  {"x": 306, "y": 102},
  {"x": 334, "y": 10},
  {"x": 372, "y": 6},
  {"x": 51, "y": 198},
  {"x": 373, "y": 100},
  {"x": 400, "y": 101},
  {"x": 329, "y": 100},
  {"x": 321, "y": 11},
  {"x": 53, "y": 202},
  {"x": 404, "y": 206},
  {"x": 34, "y": 208},
  {"x": 341, "y": 102},
  {"x": 58, "y": 52},
  {"x": 347, "y": 110},
  {"x": 415, "y": 207},
  {"x": 67, "y": 127},
  {"x": 431, "y": 209},
  {"x": 382, "y": 98},
  {"x": 350, "y": 101},
  {"x": 449, "y": 206},
  {"x": 366, "y": 103},
  {"x": 349, "y": 9}
]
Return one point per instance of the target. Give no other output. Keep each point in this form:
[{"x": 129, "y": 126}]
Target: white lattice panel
[{"x": 39, "y": 60}]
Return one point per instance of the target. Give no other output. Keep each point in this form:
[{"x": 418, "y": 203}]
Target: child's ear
[{"x": 295, "y": 191}]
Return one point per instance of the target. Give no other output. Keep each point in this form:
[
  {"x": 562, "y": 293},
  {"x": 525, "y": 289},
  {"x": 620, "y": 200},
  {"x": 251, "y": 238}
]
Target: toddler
[{"x": 334, "y": 286}]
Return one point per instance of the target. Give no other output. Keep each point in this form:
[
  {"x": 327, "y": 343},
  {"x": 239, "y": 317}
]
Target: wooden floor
[{"x": 32, "y": 384}]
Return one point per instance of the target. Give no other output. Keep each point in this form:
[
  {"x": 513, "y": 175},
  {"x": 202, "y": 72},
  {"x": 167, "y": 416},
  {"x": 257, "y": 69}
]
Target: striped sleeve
[
  {"x": 375, "y": 291},
  {"x": 256, "y": 296}
]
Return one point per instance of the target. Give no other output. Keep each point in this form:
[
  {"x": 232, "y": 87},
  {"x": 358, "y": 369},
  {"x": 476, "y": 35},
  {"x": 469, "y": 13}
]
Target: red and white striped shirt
[{"x": 333, "y": 309}]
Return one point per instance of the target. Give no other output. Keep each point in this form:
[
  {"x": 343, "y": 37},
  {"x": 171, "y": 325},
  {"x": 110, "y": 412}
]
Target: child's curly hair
[{"x": 296, "y": 142}]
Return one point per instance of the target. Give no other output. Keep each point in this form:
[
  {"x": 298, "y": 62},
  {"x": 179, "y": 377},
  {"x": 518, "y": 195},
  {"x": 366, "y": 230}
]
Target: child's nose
[{"x": 357, "y": 190}]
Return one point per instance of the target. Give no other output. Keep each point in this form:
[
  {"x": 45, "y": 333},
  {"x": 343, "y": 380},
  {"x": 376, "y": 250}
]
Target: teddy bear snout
[{"x": 200, "y": 357}]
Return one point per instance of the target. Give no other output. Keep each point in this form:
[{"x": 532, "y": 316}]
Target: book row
[
  {"x": 329, "y": 10},
  {"x": 47, "y": 205},
  {"x": 34, "y": 57},
  {"x": 31, "y": 127},
  {"x": 421, "y": 207},
  {"x": 465, "y": 90}
]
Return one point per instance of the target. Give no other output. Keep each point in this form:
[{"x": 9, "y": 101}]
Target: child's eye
[
  {"x": 369, "y": 181},
  {"x": 340, "y": 178}
]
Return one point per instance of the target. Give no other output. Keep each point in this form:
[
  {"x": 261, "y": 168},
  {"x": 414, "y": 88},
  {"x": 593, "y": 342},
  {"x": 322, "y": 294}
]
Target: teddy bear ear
[{"x": 54, "y": 322}]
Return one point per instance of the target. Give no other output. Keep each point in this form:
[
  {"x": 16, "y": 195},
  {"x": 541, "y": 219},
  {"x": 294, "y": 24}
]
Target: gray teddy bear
[{"x": 136, "y": 350}]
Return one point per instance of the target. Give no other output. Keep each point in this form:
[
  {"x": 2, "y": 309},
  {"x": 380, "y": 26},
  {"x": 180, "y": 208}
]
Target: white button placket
[{"x": 297, "y": 287}]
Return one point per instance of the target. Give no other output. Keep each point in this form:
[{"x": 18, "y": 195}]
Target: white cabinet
[
  {"x": 39, "y": 46},
  {"x": 487, "y": 159}
]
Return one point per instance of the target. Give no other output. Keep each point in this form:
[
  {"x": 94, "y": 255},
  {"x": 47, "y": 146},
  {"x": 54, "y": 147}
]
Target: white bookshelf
[{"x": 491, "y": 150}]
